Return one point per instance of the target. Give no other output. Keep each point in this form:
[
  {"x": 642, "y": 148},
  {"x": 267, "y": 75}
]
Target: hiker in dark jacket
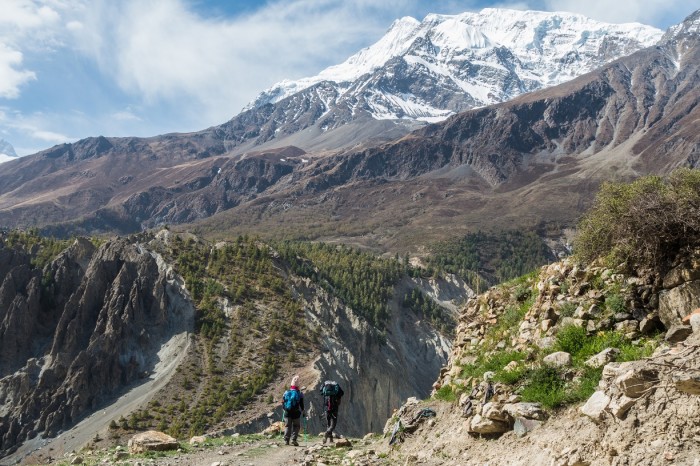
[
  {"x": 332, "y": 393},
  {"x": 293, "y": 405}
]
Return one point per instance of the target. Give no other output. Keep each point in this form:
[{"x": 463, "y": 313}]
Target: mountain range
[
  {"x": 193, "y": 335},
  {"x": 536, "y": 158}
]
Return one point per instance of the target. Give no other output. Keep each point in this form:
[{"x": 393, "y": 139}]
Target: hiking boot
[
  {"x": 286, "y": 441},
  {"x": 295, "y": 443}
]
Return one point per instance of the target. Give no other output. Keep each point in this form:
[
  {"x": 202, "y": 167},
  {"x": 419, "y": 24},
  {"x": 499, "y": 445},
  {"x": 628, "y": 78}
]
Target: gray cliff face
[
  {"x": 76, "y": 334},
  {"x": 377, "y": 374}
]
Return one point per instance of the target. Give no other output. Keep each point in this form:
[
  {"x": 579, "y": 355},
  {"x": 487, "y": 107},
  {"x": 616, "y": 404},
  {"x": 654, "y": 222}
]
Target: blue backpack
[{"x": 291, "y": 399}]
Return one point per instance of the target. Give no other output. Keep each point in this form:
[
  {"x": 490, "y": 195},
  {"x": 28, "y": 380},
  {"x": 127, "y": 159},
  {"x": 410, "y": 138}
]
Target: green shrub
[
  {"x": 571, "y": 339},
  {"x": 615, "y": 302},
  {"x": 644, "y": 223},
  {"x": 586, "y": 384},
  {"x": 446, "y": 393},
  {"x": 567, "y": 309},
  {"x": 544, "y": 385},
  {"x": 495, "y": 363}
]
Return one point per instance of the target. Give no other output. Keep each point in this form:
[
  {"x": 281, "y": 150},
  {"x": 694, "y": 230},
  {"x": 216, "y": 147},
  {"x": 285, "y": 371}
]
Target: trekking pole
[{"x": 306, "y": 427}]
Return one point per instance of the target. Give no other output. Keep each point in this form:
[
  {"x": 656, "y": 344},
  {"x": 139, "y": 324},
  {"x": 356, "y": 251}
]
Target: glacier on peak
[
  {"x": 425, "y": 71},
  {"x": 542, "y": 48}
]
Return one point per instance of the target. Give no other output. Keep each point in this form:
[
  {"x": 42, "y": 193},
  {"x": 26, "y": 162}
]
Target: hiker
[
  {"x": 332, "y": 393},
  {"x": 293, "y": 405}
]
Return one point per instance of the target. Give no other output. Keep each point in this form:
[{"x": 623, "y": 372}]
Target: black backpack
[{"x": 332, "y": 393}]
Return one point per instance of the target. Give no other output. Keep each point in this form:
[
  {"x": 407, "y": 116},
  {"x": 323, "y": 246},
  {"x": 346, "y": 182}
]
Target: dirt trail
[{"x": 271, "y": 453}]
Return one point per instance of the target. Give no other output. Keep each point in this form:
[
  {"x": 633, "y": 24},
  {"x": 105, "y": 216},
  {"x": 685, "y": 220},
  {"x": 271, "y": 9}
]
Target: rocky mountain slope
[
  {"x": 638, "y": 408},
  {"x": 427, "y": 70},
  {"x": 515, "y": 154},
  {"x": 87, "y": 329},
  {"x": 538, "y": 157}
]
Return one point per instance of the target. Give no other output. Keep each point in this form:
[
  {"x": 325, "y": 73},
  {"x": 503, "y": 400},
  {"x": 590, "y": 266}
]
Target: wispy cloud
[
  {"x": 623, "y": 11},
  {"x": 164, "y": 50},
  {"x": 12, "y": 75}
]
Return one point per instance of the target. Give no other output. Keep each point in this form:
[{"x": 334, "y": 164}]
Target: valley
[{"x": 454, "y": 223}]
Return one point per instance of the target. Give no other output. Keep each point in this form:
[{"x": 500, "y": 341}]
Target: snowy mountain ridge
[{"x": 427, "y": 70}]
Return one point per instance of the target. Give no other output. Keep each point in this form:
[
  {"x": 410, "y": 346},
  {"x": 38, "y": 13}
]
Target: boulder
[
  {"x": 602, "y": 358},
  {"x": 483, "y": 425},
  {"x": 595, "y": 406},
  {"x": 523, "y": 426},
  {"x": 649, "y": 324},
  {"x": 568, "y": 321},
  {"x": 558, "y": 359},
  {"x": 678, "y": 333},
  {"x": 634, "y": 383},
  {"x": 494, "y": 411},
  {"x": 695, "y": 323},
  {"x": 274, "y": 429},
  {"x": 612, "y": 371},
  {"x": 687, "y": 382},
  {"x": 627, "y": 326},
  {"x": 546, "y": 342},
  {"x": 686, "y": 319},
  {"x": 343, "y": 443},
  {"x": 680, "y": 275},
  {"x": 675, "y": 303},
  {"x": 151, "y": 440},
  {"x": 619, "y": 406},
  {"x": 197, "y": 439},
  {"x": 525, "y": 410}
]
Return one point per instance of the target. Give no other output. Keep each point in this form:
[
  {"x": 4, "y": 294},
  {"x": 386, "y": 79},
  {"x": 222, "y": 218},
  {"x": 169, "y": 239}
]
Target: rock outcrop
[
  {"x": 76, "y": 333},
  {"x": 639, "y": 412}
]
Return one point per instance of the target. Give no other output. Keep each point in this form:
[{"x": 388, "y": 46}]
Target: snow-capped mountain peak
[
  {"x": 537, "y": 49},
  {"x": 7, "y": 152},
  {"x": 424, "y": 71}
]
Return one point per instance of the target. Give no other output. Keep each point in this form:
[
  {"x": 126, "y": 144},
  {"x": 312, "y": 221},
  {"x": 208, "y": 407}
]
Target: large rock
[
  {"x": 525, "y": 410},
  {"x": 602, "y": 358},
  {"x": 595, "y": 406},
  {"x": 680, "y": 275},
  {"x": 634, "y": 383},
  {"x": 558, "y": 359},
  {"x": 483, "y": 425},
  {"x": 678, "y": 333},
  {"x": 677, "y": 302},
  {"x": 523, "y": 426},
  {"x": 687, "y": 382},
  {"x": 151, "y": 440},
  {"x": 495, "y": 412},
  {"x": 620, "y": 405}
]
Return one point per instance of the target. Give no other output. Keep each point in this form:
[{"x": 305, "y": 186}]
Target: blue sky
[{"x": 76, "y": 68}]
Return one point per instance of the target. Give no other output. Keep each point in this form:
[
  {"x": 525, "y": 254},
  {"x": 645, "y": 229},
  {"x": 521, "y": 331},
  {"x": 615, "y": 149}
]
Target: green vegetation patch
[
  {"x": 483, "y": 259},
  {"x": 645, "y": 223},
  {"x": 361, "y": 280}
]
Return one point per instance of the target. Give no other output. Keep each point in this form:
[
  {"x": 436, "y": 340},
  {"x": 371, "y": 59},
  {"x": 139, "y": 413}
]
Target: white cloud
[
  {"x": 48, "y": 136},
  {"x": 12, "y": 76},
  {"x": 163, "y": 50},
  {"x": 623, "y": 11}
]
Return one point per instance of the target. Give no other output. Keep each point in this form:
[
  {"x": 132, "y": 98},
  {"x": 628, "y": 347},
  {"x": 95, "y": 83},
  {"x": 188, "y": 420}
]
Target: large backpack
[
  {"x": 331, "y": 394},
  {"x": 330, "y": 388},
  {"x": 291, "y": 399}
]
